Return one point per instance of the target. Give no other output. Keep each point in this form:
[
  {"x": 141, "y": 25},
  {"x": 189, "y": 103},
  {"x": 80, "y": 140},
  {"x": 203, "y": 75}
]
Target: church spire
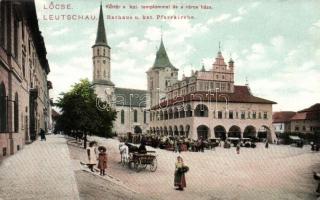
[
  {"x": 162, "y": 59},
  {"x": 101, "y": 32}
]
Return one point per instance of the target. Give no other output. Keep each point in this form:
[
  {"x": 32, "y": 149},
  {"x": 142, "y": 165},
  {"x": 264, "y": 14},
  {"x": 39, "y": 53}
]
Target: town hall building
[{"x": 207, "y": 104}]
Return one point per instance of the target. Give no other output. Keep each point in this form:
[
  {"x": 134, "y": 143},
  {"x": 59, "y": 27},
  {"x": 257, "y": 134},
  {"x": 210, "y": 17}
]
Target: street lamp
[{"x": 216, "y": 98}]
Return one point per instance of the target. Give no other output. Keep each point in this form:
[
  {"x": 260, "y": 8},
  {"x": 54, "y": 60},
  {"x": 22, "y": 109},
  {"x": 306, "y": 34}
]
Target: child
[
  {"x": 92, "y": 156},
  {"x": 102, "y": 160},
  {"x": 238, "y": 148}
]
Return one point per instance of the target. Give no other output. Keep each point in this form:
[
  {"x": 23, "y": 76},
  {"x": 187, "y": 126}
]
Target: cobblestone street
[
  {"x": 42, "y": 170},
  {"x": 52, "y": 170}
]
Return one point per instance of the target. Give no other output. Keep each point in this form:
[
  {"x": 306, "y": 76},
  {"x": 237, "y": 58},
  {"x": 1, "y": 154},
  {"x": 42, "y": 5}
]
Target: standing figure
[
  {"x": 92, "y": 155},
  {"x": 179, "y": 174},
  {"x": 238, "y": 148},
  {"x": 42, "y": 134},
  {"x": 102, "y": 160},
  {"x": 267, "y": 144}
]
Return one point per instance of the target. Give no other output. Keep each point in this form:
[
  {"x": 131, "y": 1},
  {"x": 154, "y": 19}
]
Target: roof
[
  {"x": 162, "y": 59},
  {"x": 30, "y": 12},
  {"x": 313, "y": 108},
  {"x": 101, "y": 32},
  {"x": 241, "y": 94},
  {"x": 103, "y": 82},
  {"x": 311, "y": 113},
  {"x": 299, "y": 116},
  {"x": 283, "y": 116},
  {"x": 130, "y": 97}
]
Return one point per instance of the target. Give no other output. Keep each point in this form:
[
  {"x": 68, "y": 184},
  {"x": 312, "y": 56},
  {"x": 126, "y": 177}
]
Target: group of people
[{"x": 94, "y": 157}]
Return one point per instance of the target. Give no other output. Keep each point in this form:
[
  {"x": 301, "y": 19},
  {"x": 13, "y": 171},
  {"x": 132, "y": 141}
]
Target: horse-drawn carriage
[{"x": 137, "y": 159}]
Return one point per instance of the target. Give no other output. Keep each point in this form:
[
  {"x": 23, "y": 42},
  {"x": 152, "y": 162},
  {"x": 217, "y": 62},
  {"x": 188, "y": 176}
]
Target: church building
[
  {"x": 130, "y": 104},
  {"x": 207, "y": 104}
]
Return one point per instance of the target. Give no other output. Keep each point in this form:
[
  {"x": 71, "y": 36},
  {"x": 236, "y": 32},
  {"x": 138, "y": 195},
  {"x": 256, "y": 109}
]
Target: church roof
[
  {"x": 162, "y": 59},
  {"x": 101, "y": 32},
  {"x": 241, "y": 94},
  {"x": 130, "y": 97}
]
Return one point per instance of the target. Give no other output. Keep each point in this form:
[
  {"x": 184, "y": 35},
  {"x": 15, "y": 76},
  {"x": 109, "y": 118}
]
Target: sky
[{"x": 275, "y": 44}]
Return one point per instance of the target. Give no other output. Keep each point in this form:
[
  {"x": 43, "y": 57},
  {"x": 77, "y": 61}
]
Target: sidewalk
[{"x": 42, "y": 170}]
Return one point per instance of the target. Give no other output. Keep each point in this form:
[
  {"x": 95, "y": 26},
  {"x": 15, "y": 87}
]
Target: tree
[{"x": 81, "y": 113}]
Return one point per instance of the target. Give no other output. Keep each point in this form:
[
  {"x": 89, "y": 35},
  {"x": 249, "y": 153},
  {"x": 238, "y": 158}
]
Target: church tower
[
  {"x": 102, "y": 84},
  {"x": 161, "y": 75}
]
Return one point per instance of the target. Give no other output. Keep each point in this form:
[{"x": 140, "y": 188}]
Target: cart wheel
[
  {"x": 137, "y": 165},
  {"x": 131, "y": 165},
  {"x": 153, "y": 165}
]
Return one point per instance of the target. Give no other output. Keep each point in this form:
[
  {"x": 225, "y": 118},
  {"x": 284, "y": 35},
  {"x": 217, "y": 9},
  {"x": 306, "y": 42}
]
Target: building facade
[
  {"x": 208, "y": 105},
  {"x": 281, "y": 121},
  {"x": 24, "y": 95},
  {"x": 306, "y": 121}
]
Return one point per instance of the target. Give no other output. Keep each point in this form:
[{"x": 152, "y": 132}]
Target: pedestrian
[
  {"x": 179, "y": 174},
  {"x": 42, "y": 134},
  {"x": 267, "y": 144},
  {"x": 92, "y": 155},
  {"x": 102, "y": 160},
  {"x": 176, "y": 148},
  {"x": 238, "y": 148},
  {"x": 85, "y": 141}
]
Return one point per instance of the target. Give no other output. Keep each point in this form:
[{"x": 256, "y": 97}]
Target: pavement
[
  {"x": 42, "y": 170},
  {"x": 278, "y": 173}
]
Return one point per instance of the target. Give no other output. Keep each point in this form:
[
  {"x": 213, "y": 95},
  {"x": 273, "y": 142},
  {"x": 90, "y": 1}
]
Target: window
[
  {"x": 219, "y": 114},
  {"x": 16, "y": 113},
  {"x": 230, "y": 114},
  {"x": 254, "y": 115},
  {"x": 23, "y": 66},
  {"x": 104, "y": 52},
  {"x": 243, "y": 115},
  {"x": 135, "y": 116},
  {"x": 201, "y": 111},
  {"x": 15, "y": 36},
  {"x": 98, "y": 52},
  {"x": 122, "y": 116},
  {"x": 296, "y": 128},
  {"x": 265, "y": 115},
  {"x": 303, "y": 128},
  {"x": 3, "y": 108},
  {"x": 223, "y": 86},
  {"x": 145, "y": 117}
]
